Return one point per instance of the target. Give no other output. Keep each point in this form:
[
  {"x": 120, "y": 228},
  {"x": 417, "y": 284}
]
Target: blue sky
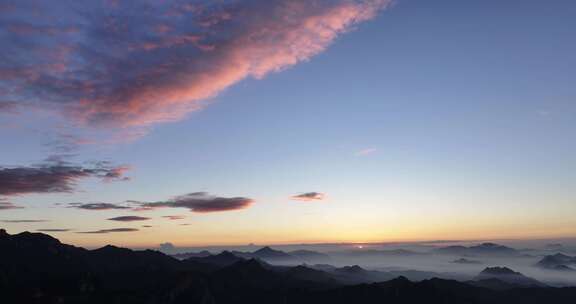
[{"x": 467, "y": 109}]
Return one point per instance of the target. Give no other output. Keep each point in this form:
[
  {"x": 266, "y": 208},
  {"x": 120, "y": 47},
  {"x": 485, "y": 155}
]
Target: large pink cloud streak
[{"x": 125, "y": 65}]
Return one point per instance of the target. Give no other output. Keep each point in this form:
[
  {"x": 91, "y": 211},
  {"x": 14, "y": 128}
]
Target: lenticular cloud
[{"x": 135, "y": 63}]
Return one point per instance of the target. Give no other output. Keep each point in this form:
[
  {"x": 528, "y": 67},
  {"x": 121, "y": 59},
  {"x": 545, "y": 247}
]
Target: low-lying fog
[{"x": 453, "y": 260}]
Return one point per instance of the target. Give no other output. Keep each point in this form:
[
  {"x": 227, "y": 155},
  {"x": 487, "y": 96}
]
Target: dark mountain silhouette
[
  {"x": 494, "y": 284},
  {"x": 225, "y": 258},
  {"x": 434, "y": 291},
  {"x": 420, "y": 275},
  {"x": 267, "y": 253},
  {"x": 558, "y": 262},
  {"x": 114, "y": 259},
  {"x": 36, "y": 268},
  {"x": 357, "y": 275},
  {"x": 36, "y": 256},
  {"x": 485, "y": 249},
  {"x": 355, "y": 269},
  {"x": 40, "y": 263},
  {"x": 308, "y": 274},
  {"x": 466, "y": 261},
  {"x": 248, "y": 273},
  {"x": 186, "y": 255},
  {"x": 508, "y": 275},
  {"x": 493, "y": 249}
]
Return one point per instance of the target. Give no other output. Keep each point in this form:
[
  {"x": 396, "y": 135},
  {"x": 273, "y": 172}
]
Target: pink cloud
[
  {"x": 117, "y": 173},
  {"x": 366, "y": 151},
  {"x": 172, "y": 58}
]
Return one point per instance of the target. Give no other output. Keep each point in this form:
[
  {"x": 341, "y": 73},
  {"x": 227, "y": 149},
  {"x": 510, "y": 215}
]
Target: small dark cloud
[
  {"x": 24, "y": 221},
  {"x": 116, "y": 173},
  {"x": 174, "y": 217},
  {"x": 129, "y": 218},
  {"x": 97, "y": 206},
  {"x": 309, "y": 196},
  {"x": 66, "y": 143},
  {"x": 203, "y": 202},
  {"x": 53, "y": 230},
  {"x": 103, "y": 231},
  {"x": 147, "y": 226}
]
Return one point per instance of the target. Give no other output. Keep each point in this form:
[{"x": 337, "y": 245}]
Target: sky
[{"x": 287, "y": 121}]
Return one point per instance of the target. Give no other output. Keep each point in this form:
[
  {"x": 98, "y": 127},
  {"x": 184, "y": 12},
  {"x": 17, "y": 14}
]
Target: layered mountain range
[{"x": 37, "y": 268}]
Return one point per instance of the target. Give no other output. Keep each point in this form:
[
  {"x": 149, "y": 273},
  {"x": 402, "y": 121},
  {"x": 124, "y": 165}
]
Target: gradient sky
[{"x": 351, "y": 121}]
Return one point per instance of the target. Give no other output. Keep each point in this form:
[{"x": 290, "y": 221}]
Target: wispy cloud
[
  {"x": 366, "y": 151},
  {"x": 116, "y": 173},
  {"x": 143, "y": 62},
  {"x": 97, "y": 206},
  {"x": 54, "y": 230},
  {"x": 6, "y": 205},
  {"x": 24, "y": 221},
  {"x": 128, "y": 218},
  {"x": 174, "y": 217},
  {"x": 115, "y": 230},
  {"x": 309, "y": 196},
  {"x": 64, "y": 144},
  {"x": 203, "y": 202}
]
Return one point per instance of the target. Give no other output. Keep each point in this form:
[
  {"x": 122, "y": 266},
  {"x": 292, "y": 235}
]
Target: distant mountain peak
[
  {"x": 557, "y": 262},
  {"x": 561, "y": 256},
  {"x": 508, "y": 275},
  {"x": 224, "y": 258},
  {"x": 269, "y": 253},
  {"x": 488, "y": 248},
  {"x": 492, "y": 246},
  {"x": 266, "y": 249},
  {"x": 110, "y": 249},
  {"x": 488, "y": 244},
  {"x": 398, "y": 281},
  {"x": 499, "y": 271},
  {"x": 466, "y": 261},
  {"x": 353, "y": 269}
]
